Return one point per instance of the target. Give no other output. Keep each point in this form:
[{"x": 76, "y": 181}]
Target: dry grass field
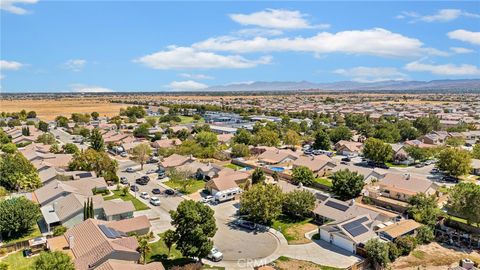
[{"x": 49, "y": 109}]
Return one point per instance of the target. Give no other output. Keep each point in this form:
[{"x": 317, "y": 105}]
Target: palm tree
[{"x": 143, "y": 248}]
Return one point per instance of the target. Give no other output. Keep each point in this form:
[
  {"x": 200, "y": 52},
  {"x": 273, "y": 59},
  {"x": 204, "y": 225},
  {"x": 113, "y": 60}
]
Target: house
[
  {"x": 223, "y": 129},
  {"x": 94, "y": 242},
  {"x": 112, "y": 264},
  {"x": 274, "y": 155},
  {"x": 391, "y": 231},
  {"x": 403, "y": 186},
  {"x": 139, "y": 225},
  {"x": 226, "y": 179},
  {"x": 400, "y": 155},
  {"x": 435, "y": 138},
  {"x": 368, "y": 173},
  {"x": 320, "y": 165},
  {"x": 57, "y": 189},
  {"x": 166, "y": 143},
  {"x": 476, "y": 166},
  {"x": 348, "y": 148},
  {"x": 175, "y": 160},
  {"x": 349, "y": 234},
  {"x": 225, "y": 138},
  {"x": 201, "y": 170}
]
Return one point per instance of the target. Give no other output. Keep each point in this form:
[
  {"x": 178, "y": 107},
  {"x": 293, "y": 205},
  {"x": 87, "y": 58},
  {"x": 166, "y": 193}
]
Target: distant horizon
[{"x": 149, "y": 45}]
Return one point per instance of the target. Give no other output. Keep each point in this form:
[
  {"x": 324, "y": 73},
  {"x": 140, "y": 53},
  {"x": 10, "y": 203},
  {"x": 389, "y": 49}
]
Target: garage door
[{"x": 343, "y": 243}]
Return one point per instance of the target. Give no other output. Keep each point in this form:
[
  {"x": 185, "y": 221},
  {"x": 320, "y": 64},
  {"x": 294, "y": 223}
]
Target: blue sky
[{"x": 153, "y": 45}]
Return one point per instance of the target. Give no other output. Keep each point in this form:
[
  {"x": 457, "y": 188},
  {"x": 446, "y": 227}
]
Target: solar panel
[
  {"x": 355, "y": 227},
  {"x": 358, "y": 231},
  {"x": 84, "y": 175},
  {"x": 337, "y": 206},
  {"x": 109, "y": 233}
]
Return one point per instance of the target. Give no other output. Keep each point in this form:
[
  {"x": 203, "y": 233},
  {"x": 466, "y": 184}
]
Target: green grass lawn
[
  {"x": 33, "y": 233},
  {"x": 462, "y": 220},
  {"x": 16, "y": 261},
  {"x": 232, "y": 166},
  {"x": 117, "y": 194},
  {"x": 197, "y": 185},
  {"x": 189, "y": 119},
  {"x": 443, "y": 189},
  {"x": 324, "y": 181},
  {"x": 294, "y": 230},
  {"x": 389, "y": 164}
]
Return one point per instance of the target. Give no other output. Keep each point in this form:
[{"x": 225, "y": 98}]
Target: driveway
[{"x": 240, "y": 244}]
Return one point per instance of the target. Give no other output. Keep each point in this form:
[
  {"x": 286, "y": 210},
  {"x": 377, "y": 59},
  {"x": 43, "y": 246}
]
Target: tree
[
  {"x": 70, "y": 148},
  {"x": 17, "y": 216},
  {"x": 347, "y": 184},
  {"x": 240, "y": 150},
  {"x": 9, "y": 148},
  {"x": 476, "y": 151},
  {"x": 143, "y": 248},
  {"x": 454, "y": 162},
  {"x": 182, "y": 134},
  {"x": 26, "y": 131},
  {"x": 299, "y": 203},
  {"x": 322, "y": 141},
  {"x": 243, "y": 136},
  {"x": 405, "y": 244},
  {"x": 62, "y": 121},
  {"x": 424, "y": 209},
  {"x": 3, "y": 266},
  {"x": 91, "y": 160},
  {"x": 134, "y": 111},
  {"x": 266, "y": 137},
  {"x": 426, "y": 124},
  {"x": 96, "y": 140},
  {"x": 59, "y": 230},
  {"x": 464, "y": 201},
  {"x": 181, "y": 177},
  {"x": 88, "y": 210},
  {"x": 303, "y": 175},
  {"x": 54, "y": 148},
  {"x": 418, "y": 153},
  {"x": 291, "y": 138},
  {"x": 340, "y": 133},
  {"x": 206, "y": 139},
  {"x": 258, "y": 176},
  {"x": 377, "y": 151},
  {"x": 80, "y": 118},
  {"x": 49, "y": 260},
  {"x": 425, "y": 235},
  {"x": 407, "y": 131},
  {"x": 169, "y": 238},
  {"x": 141, "y": 153},
  {"x": 43, "y": 126},
  {"x": 377, "y": 251},
  {"x": 95, "y": 115},
  {"x": 31, "y": 114},
  {"x": 152, "y": 121},
  {"x": 455, "y": 141},
  {"x": 46, "y": 138},
  {"x": 262, "y": 203},
  {"x": 17, "y": 172},
  {"x": 194, "y": 227}
]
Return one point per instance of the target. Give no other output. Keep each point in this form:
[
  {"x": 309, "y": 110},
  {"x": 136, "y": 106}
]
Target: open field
[{"x": 48, "y": 109}]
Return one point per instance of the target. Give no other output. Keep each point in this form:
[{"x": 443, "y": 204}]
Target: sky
[{"x": 102, "y": 46}]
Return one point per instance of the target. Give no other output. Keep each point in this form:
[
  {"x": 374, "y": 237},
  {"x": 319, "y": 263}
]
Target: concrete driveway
[{"x": 237, "y": 243}]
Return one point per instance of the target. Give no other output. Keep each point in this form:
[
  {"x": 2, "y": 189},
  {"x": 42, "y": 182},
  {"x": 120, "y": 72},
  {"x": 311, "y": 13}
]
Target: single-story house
[
  {"x": 320, "y": 165},
  {"x": 175, "y": 160},
  {"x": 348, "y": 148},
  {"x": 166, "y": 143},
  {"x": 226, "y": 179},
  {"x": 274, "y": 155},
  {"x": 403, "y": 186},
  {"x": 391, "y": 231}
]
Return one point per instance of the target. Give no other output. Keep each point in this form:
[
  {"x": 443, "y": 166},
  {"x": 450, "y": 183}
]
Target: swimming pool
[{"x": 277, "y": 169}]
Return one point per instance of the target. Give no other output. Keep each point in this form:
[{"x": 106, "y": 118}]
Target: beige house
[
  {"x": 274, "y": 155},
  {"x": 403, "y": 186},
  {"x": 320, "y": 165},
  {"x": 348, "y": 147}
]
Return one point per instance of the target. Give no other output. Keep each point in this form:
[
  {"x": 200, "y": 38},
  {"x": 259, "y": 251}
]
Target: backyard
[
  {"x": 323, "y": 181},
  {"x": 16, "y": 261},
  {"x": 32, "y": 233},
  {"x": 289, "y": 263},
  {"x": 294, "y": 230},
  {"x": 194, "y": 187},
  {"x": 118, "y": 194}
]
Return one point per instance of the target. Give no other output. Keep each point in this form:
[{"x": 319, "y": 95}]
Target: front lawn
[
  {"x": 233, "y": 166},
  {"x": 390, "y": 164},
  {"x": 17, "y": 261},
  {"x": 196, "y": 186},
  {"x": 324, "y": 181},
  {"x": 34, "y": 232},
  {"x": 294, "y": 230},
  {"x": 117, "y": 194},
  {"x": 284, "y": 263}
]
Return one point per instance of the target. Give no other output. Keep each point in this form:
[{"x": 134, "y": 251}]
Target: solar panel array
[
  {"x": 337, "y": 206},
  {"x": 356, "y": 228},
  {"x": 109, "y": 232}
]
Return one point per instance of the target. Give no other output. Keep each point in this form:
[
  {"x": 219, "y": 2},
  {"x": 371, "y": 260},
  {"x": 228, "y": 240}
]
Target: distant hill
[{"x": 464, "y": 84}]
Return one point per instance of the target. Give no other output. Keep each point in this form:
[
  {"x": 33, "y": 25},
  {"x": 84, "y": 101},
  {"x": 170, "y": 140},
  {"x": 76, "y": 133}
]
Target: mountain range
[{"x": 462, "y": 84}]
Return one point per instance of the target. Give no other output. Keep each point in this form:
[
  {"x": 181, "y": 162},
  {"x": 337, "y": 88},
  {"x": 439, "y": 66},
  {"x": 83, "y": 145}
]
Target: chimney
[
  {"x": 54, "y": 206},
  {"x": 71, "y": 241},
  {"x": 467, "y": 264}
]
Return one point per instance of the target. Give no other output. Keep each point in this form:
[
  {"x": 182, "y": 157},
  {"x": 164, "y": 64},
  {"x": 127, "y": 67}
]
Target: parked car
[
  {"x": 156, "y": 191},
  {"x": 134, "y": 188},
  {"x": 123, "y": 180},
  {"x": 152, "y": 160},
  {"x": 161, "y": 175},
  {"x": 130, "y": 170},
  {"x": 145, "y": 177},
  {"x": 207, "y": 199},
  {"x": 246, "y": 224},
  {"x": 420, "y": 165},
  {"x": 155, "y": 201},
  {"x": 451, "y": 179},
  {"x": 124, "y": 154},
  {"x": 215, "y": 255},
  {"x": 142, "y": 181},
  {"x": 169, "y": 192},
  {"x": 346, "y": 159},
  {"x": 144, "y": 195},
  {"x": 151, "y": 171}
]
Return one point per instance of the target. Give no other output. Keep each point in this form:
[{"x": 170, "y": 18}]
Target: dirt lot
[
  {"x": 433, "y": 257},
  {"x": 49, "y": 109}
]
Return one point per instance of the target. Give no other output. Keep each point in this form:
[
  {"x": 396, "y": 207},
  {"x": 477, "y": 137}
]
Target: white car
[
  {"x": 124, "y": 154},
  {"x": 155, "y": 201},
  {"x": 208, "y": 199},
  {"x": 144, "y": 195},
  {"x": 130, "y": 170},
  {"x": 215, "y": 255}
]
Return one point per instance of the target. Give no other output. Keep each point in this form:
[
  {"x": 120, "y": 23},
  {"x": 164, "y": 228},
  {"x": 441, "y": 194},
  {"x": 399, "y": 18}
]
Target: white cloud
[
  {"x": 75, "y": 64},
  {"x": 445, "y": 69},
  {"x": 276, "y": 19},
  {"x": 196, "y": 76},
  {"x": 372, "y": 74},
  {"x": 442, "y": 15},
  {"x": 376, "y": 41},
  {"x": 461, "y": 50},
  {"x": 465, "y": 35},
  {"x": 10, "y": 65},
  {"x": 186, "y": 85},
  {"x": 253, "y": 32},
  {"x": 188, "y": 58},
  {"x": 82, "y": 88},
  {"x": 11, "y": 6}
]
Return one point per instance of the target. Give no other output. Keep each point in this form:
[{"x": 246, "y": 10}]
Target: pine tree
[{"x": 84, "y": 210}]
